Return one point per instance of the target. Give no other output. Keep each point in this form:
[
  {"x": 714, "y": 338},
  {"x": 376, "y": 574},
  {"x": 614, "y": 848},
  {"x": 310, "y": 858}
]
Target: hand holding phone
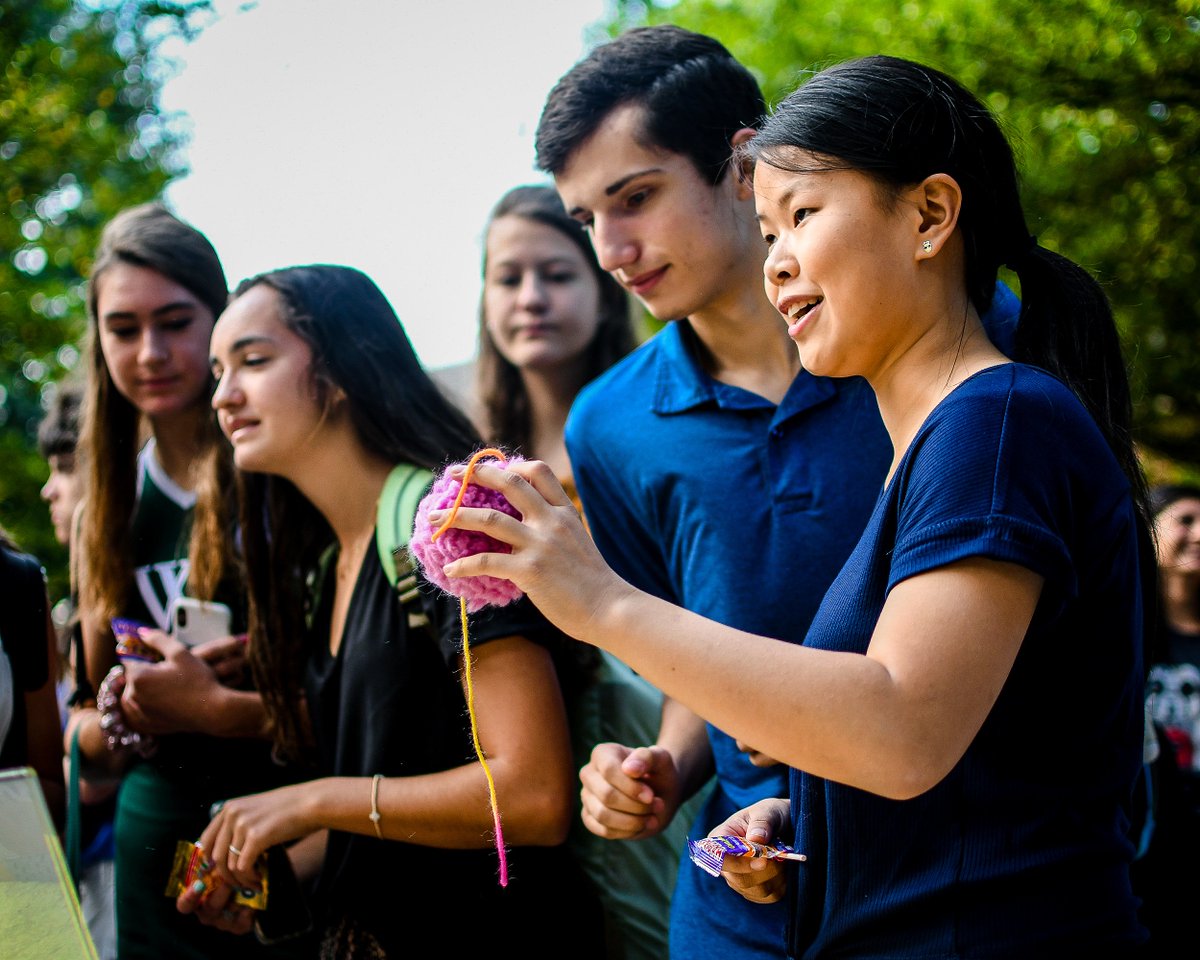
[
  {"x": 226, "y": 657},
  {"x": 195, "y": 621}
]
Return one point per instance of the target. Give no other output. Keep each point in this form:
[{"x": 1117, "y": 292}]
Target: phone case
[{"x": 198, "y": 621}]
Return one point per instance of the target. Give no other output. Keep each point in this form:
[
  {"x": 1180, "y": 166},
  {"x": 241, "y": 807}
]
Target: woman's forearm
[
  {"x": 98, "y": 762},
  {"x": 892, "y": 721},
  {"x": 236, "y": 713},
  {"x": 446, "y": 809}
]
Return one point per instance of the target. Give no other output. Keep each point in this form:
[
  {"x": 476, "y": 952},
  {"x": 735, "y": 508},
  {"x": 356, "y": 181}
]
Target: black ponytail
[{"x": 1066, "y": 327}]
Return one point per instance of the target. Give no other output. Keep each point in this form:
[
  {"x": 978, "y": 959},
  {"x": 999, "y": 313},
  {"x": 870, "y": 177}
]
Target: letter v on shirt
[{"x": 159, "y": 584}]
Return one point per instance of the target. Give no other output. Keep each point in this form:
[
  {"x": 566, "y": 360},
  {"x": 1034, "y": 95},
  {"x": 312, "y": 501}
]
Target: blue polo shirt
[
  {"x": 1023, "y": 849},
  {"x": 716, "y": 499},
  {"x": 713, "y": 498}
]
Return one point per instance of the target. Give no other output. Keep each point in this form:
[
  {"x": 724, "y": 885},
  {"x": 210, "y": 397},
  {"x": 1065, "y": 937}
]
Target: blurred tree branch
[{"x": 81, "y": 136}]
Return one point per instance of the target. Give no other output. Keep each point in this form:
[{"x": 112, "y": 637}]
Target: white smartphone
[{"x": 198, "y": 621}]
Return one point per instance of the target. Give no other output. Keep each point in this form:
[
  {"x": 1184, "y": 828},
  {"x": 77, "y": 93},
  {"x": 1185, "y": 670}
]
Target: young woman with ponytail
[{"x": 964, "y": 719}]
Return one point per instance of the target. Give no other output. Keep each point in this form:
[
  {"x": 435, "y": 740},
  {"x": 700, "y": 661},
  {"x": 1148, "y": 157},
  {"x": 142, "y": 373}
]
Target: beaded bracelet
[{"x": 112, "y": 721}]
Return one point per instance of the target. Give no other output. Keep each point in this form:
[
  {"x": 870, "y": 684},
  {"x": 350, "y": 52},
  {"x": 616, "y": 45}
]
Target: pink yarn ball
[{"x": 432, "y": 555}]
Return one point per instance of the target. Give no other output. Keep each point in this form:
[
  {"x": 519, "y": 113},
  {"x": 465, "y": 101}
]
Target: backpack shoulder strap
[{"x": 402, "y": 493}]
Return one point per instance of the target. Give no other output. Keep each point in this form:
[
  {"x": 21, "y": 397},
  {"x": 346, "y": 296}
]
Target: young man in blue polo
[{"x": 638, "y": 137}]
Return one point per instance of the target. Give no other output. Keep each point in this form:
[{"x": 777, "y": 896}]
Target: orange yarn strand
[{"x": 462, "y": 490}]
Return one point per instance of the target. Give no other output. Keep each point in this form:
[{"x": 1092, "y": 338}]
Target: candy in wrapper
[
  {"x": 131, "y": 647},
  {"x": 709, "y": 853},
  {"x": 191, "y": 866}
]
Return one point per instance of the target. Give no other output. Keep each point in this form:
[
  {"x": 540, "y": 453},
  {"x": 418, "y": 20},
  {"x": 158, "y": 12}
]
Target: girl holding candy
[{"x": 321, "y": 395}]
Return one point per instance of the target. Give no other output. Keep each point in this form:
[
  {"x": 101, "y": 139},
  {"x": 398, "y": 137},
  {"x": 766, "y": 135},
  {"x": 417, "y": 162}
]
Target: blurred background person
[
  {"x": 1165, "y": 875},
  {"x": 58, "y": 435},
  {"x": 30, "y": 735},
  {"x": 550, "y": 321},
  {"x": 57, "y": 438},
  {"x": 88, "y": 840}
]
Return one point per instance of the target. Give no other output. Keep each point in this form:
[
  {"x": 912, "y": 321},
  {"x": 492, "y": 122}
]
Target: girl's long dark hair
[
  {"x": 360, "y": 348},
  {"x": 901, "y": 122},
  {"x": 501, "y": 391}
]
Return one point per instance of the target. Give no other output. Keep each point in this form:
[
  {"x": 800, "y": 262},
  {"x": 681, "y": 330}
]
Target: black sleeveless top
[{"x": 390, "y": 702}]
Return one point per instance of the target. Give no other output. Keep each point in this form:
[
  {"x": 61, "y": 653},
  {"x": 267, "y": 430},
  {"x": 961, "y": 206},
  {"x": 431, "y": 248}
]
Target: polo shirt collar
[{"x": 682, "y": 384}]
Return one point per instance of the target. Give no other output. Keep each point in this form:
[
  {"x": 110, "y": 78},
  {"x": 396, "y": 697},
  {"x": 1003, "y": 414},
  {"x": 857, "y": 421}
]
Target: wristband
[{"x": 375, "y": 816}]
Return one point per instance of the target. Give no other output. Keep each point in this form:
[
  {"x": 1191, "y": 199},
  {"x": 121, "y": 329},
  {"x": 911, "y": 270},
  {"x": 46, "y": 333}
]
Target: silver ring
[{"x": 234, "y": 850}]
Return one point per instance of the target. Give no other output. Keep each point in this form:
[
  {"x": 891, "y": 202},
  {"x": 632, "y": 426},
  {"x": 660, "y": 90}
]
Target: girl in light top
[{"x": 550, "y": 320}]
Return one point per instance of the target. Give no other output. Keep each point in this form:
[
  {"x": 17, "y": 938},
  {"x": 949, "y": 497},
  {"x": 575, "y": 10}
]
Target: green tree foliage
[
  {"x": 1102, "y": 101},
  {"x": 81, "y": 136}
]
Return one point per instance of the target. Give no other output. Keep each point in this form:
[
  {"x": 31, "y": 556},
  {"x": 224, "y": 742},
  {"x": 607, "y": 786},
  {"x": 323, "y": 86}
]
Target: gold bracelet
[{"x": 375, "y": 816}]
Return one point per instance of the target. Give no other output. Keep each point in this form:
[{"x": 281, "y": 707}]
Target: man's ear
[
  {"x": 743, "y": 171},
  {"x": 938, "y": 202},
  {"x": 744, "y": 135}
]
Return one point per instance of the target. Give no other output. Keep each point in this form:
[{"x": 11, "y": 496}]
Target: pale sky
[{"x": 373, "y": 133}]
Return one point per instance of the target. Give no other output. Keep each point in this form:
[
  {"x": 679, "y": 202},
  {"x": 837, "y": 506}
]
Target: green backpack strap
[{"x": 402, "y": 492}]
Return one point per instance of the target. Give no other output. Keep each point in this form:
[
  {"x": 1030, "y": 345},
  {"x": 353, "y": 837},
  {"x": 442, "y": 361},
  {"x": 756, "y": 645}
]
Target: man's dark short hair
[
  {"x": 58, "y": 433},
  {"x": 694, "y": 94}
]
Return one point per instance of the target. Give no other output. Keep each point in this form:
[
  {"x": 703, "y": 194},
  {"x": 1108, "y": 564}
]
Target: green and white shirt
[{"x": 159, "y": 534}]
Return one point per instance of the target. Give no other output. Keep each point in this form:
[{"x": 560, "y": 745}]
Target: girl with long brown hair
[
  {"x": 176, "y": 736},
  {"x": 550, "y": 320}
]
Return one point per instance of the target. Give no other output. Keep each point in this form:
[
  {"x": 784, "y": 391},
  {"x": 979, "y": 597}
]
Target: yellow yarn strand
[{"x": 462, "y": 610}]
